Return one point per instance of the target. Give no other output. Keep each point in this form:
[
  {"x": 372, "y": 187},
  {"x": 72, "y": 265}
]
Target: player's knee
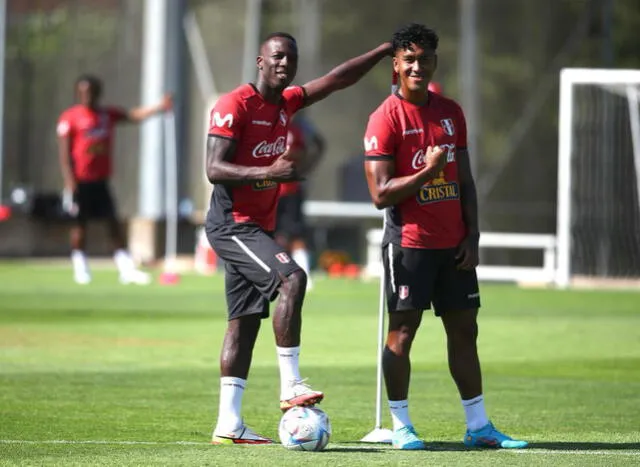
[
  {"x": 295, "y": 283},
  {"x": 464, "y": 333}
]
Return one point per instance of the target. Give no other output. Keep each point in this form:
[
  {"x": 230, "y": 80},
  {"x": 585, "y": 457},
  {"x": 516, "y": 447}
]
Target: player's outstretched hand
[
  {"x": 467, "y": 255},
  {"x": 167, "y": 102},
  {"x": 283, "y": 169},
  {"x": 435, "y": 159}
]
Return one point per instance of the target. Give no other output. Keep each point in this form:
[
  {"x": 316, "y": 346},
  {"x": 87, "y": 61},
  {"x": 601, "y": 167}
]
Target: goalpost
[{"x": 598, "y": 223}]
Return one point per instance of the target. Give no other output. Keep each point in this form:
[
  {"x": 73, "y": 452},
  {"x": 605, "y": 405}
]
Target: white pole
[
  {"x": 171, "y": 192},
  {"x": 563, "y": 229},
  {"x": 198, "y": 51},
  {"x": 634, "y": 121},
  {"x": 3, "y": 46},
  {"x": 253, "y": 20}
]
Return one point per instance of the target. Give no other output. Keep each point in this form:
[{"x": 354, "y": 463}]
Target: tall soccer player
[
  {"x": 417, "y": 168},
  {"x": 247, "y": 158},
  {"x": 85, "y": 139}
]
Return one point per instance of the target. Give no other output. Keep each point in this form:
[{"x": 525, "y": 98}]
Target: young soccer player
[{"x": 417, "y": 168}]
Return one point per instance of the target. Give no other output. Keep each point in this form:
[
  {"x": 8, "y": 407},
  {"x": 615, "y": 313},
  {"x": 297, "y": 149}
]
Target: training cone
[
  {"x": 5, "y": 212},
  {"x": 169, "y": 278}
]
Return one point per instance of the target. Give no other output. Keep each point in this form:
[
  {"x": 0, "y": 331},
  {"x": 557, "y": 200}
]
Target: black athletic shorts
[
  {"x": 416, "y": 278},
  {"x": 94, "y": 201},
  {"x": 254, "y": 267},
  {"x": 290, "y": 221}
]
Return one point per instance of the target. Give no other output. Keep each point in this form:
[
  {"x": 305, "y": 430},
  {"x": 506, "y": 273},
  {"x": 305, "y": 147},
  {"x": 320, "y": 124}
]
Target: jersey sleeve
[
  {"x": 461, "y": 130},
  {"x": 379, "y": 138},
  {"x": 117, "y": 114},
  {"x": 294, "y": 96},
  {"x": 64, "y": 127},
  {"x": 227, "y": 117}
]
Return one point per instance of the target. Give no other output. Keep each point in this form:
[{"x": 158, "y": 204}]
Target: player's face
[
  {"x": 278, "y": 63},
  {"x": 415, "y": 67},
  {"x": 87, "y": 94}
]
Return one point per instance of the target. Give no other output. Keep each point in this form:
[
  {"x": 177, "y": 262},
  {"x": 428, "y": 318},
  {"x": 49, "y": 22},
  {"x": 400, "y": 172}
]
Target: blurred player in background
[
  {"x": 417, "y": 167},
  {"x": 247, "y": 159},
  {"x": 85, "y": 145},
  {"x": 306, "y": 145}
]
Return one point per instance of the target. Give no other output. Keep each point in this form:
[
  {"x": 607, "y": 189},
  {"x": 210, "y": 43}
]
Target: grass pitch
[{"x": 106, "y": 374}]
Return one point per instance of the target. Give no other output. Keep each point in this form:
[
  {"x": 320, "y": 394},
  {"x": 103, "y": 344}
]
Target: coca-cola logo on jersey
[
  {"x": 419, "y": 160},
  {"x": 275, "y": 148}
]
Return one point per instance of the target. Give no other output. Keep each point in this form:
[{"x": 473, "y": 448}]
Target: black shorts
[
  {"x": 416, "y": 278},
  {"x": 254, "y": 267},
  {"x": 94, "y": 201},
  {"x": 290, "y": 221}
]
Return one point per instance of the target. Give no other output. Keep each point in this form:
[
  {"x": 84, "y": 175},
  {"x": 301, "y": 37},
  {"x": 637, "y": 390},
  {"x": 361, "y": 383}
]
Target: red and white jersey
[
  {"x": 260, "y": 129},
  {"x": 90, "y": 132},
  {"x": 401, "y": 131}
]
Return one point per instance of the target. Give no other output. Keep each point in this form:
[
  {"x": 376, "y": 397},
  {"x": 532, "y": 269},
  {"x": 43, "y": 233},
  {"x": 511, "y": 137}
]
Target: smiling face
[
  {"x": 415, "y": 66},
  {"x": 278, "y": 62}
]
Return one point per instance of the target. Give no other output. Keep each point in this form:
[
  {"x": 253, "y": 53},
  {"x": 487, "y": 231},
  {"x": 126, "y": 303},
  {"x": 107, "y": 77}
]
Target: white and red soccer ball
[{"x": 304, "y": 429}]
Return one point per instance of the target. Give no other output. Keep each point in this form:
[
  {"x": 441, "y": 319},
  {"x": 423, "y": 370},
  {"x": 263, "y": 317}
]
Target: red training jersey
[
  {"x": 90, "y": 133},
  {"x": 260, "y": 129},
  {"x": 401, "y": 131},
  {"x": 296, "y": 142}
]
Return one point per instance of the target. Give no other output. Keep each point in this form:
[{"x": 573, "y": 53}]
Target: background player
[
  {"x": 85, "y": 144},
  {"x": 417, "y": 166},
  {"x": 246, "y": 160},
  {"x": 306, "y": 145}
]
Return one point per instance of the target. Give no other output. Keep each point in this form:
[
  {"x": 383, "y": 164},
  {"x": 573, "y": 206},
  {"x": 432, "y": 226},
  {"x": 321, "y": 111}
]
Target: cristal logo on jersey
[
  {"x": 269, "y": 149},
  {"x": 419, "y": 158},
  {"x": 283, "y": 118},
  {"x": 220, "y": 121},
  {"x": 438, "y": 189},
  {"x": 447, "y": 126},
  {"x": 261, "y": 185},
  {"x": 371, "y": 143}
]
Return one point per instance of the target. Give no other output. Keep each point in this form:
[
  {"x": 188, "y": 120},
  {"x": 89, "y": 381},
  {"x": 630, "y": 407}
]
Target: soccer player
[
  {"x": 306, "y": 145},
  {"x": 85, "y": 138},
  {"x": 247, "y": 158},
  {"x": 417, "y": 168}
]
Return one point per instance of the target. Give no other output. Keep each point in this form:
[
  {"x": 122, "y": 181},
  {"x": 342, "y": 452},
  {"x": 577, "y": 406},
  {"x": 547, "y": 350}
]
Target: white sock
[
  {"x": 475, "y": 413},
  {"x": 400, "y": 414},
  {"x": 231, "y": 391},
  {"x": 288, "y": 361},
  {"x": 123, "y": 261},
  {"x": 79, "y": 262},
  {"x": 301, "y": 257}
]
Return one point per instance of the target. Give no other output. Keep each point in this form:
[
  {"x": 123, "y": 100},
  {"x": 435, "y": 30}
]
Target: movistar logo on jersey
[
  {"x": 371, "y": 144},
  {"x": 438, "y": 190},
  {"x": 220, "y": 121}
]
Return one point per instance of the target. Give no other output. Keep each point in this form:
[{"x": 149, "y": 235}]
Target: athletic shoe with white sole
[
  {"x": 242, "y": 435},
  {"x": 82, "y": 278},
  {"x": 406, "y": 438},
  {"x": 489, "y": 437},
  {"x": 299, "y": 394},
  {"x": 135, "y": 276}
]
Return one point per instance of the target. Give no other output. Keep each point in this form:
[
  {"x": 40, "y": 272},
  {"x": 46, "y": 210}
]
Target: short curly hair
[{"x": 414, "y": 33}]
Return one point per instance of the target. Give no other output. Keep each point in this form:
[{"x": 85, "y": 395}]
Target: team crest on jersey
[
  {"x": 403, "y": 292},
  {"x": 447, "y": 126},
  {"x": 283, "y": 118},
  {"x": 283, "y": 258}
]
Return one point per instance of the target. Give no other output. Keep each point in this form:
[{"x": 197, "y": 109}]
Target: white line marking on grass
[{"x": 373, "y": 447}]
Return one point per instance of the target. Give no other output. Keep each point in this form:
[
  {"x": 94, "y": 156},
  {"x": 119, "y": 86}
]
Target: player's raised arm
[
  {"x": 139, "y": 114},
  {"x": 344, "y": 75}
]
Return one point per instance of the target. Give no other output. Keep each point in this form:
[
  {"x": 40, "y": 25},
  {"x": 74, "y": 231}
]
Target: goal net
[{"x": 598, "y": 231}]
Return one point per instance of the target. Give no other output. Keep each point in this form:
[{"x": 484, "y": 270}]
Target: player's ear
[
  {"x": 259, "y": 61},
  {"x": 396, "y": 66}
]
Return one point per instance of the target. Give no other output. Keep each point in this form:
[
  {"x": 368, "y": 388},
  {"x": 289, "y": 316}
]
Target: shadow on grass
[{"x": 551, "y": 446}]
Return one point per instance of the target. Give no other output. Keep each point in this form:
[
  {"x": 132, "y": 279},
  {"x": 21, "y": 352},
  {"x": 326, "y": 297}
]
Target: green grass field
[{"x": 123, "y": 375}]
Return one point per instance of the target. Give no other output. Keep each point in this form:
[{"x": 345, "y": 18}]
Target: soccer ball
[{"x": 304, "y": 429}]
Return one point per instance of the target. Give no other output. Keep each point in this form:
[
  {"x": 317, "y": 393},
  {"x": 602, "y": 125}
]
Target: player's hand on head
[
  {"x": 435, "y": 159},
  {"x": 467, "y": 255}
]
